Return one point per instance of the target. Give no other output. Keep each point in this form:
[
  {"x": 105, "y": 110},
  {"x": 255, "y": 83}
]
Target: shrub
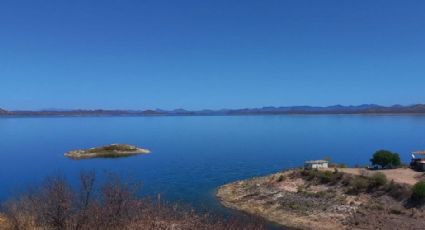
[
  {"x": 398, "y": 191},
  {"x": 325, "y": 177},
  {"x": 358, "y": 184},
  {"x": 309, "y": 174},
  {"x": 418, "y": 191},
  {"x": 281, "y": 178},
  {"x": 396, "y": 211},
  {"x": 378, "y": 179},
  {"x": 295, "y": 206},
  {"x": 113, "y": 205},
  {"x": 337, "y": 165},
  {"x": 385, "y": 158},
  {"x": 342, "y": 165},
  {"x": 346, "y": 179}
]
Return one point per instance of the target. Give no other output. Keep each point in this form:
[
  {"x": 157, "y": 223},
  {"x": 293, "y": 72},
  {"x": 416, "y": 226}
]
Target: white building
[{"x": 317, "y": 164}]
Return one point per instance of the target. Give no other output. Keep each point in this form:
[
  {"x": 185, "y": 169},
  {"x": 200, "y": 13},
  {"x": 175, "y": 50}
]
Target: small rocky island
[{"x": 107, "y": 151}]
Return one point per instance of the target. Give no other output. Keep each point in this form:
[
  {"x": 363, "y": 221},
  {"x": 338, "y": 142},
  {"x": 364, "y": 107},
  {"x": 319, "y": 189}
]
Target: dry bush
[
  {"x": 113, "y": 205},
  {"x": 378, "y": 179},
  {"x": 364, "y": 172}
]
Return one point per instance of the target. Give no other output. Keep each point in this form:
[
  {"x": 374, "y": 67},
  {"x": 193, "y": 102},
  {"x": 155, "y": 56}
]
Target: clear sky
[{"x": 197, "y": 54}]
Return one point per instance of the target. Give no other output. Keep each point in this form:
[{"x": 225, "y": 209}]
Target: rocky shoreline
[{"x": 311, "y": 199}]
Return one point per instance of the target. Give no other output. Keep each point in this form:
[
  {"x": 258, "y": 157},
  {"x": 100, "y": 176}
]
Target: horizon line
[{"x": 182, "y": 108}]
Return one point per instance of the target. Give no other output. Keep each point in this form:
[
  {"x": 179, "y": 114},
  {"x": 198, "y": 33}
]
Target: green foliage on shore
[
  {"x": 386, "y": 159},
  {"x": 376, "y": 182},
  {"x": 323, "y": 177},
  {"x": 378, "y": 179},
  {"x": 359, "y": 184},
  {"x": 418, "y": 192}
]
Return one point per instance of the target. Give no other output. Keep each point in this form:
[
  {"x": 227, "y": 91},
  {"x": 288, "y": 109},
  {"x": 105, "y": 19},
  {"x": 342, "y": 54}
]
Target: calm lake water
[{"x": 191, "y": 156}]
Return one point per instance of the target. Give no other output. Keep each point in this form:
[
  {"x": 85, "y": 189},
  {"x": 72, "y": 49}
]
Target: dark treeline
[{"x": 111, "y": 205}]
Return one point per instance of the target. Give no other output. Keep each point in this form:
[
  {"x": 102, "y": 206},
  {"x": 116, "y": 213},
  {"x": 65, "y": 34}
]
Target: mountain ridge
[
  {"x": 2, "y": 111},
  {"x": 267, "y": 110}
]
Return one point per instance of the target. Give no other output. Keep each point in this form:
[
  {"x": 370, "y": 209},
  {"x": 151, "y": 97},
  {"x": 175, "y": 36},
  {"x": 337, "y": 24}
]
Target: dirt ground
[
  {"x": 401, "y": 175},
  {"x": 3, "y": 223}
]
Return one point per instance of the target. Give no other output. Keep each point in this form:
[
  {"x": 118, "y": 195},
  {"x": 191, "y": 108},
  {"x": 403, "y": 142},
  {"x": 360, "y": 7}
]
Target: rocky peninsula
[
  {"x": 326, "y": 199},
  {"x": 108, "y": 151}
]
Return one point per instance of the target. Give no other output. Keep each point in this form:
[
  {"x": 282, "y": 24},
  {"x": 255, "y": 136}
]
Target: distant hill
[
  {"x": 2, "y": 111},
  {"x": 336, "y": 109},
  {"x": 271, "y": 110}
]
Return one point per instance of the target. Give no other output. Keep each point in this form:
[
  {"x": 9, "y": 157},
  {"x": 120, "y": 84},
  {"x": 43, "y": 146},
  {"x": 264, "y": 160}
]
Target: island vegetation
[{"x": 108, "y": 151}]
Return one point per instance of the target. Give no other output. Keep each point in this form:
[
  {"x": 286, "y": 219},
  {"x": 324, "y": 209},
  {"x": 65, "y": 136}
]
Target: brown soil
[{"x": 3, "y": 223}]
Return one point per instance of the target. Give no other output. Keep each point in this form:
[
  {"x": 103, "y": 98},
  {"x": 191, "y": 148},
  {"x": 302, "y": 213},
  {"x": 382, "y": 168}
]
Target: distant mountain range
[
  {"x": 336, "y": 109},
  {"x": 2, "y": 111}
]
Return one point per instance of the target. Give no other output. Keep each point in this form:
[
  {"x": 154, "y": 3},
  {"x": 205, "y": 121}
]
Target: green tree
[{"x": 386, "y": 158}]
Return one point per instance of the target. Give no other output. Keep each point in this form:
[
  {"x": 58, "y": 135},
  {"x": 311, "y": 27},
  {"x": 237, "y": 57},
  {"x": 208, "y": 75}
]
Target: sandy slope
[{"x": 401, "y": 175}]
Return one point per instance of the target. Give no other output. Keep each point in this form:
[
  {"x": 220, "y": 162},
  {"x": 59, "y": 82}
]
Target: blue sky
[{"x": 210, "y": 54}]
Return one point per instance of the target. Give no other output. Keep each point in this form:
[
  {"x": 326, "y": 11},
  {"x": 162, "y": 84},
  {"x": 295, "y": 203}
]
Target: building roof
[{"x": 316, "y": 162}]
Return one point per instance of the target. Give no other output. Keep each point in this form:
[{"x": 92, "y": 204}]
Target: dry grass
[
  {"x": 112, "y": 205},
  {"x": 400, "y": 175}
]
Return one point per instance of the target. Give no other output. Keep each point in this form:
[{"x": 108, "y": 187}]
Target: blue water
[{"x": 191, "y": 156}]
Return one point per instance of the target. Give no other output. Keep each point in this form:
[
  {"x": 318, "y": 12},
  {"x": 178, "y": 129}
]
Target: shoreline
[
  {"x": 214, "y": 115},
  {"x": 202, "y": 115},
  {"x": 297, "y": 201}
]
